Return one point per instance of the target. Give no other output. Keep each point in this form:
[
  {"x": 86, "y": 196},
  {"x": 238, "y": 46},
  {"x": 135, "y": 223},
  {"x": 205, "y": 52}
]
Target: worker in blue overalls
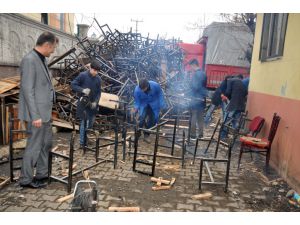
[{"x": 148, "y": 101}]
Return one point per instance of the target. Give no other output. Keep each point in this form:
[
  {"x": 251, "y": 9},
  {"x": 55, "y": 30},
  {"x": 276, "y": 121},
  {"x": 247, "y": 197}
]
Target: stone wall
[{"x": 18, "y": 35}]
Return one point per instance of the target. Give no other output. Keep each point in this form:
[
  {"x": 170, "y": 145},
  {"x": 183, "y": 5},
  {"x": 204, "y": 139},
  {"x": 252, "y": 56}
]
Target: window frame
[{"x": 268, "y": 36}]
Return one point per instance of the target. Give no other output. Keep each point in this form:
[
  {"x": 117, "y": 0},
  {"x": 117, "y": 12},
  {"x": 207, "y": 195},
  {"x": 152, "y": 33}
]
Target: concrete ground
[{"x": 250, "y": 189}]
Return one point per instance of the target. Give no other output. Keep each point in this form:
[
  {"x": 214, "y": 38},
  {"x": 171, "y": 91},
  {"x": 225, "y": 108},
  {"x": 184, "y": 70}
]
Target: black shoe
[
  {"x": 34, "y": 185},
  {"x": 193, "y": 138},
  {"x": 41, "y": 180}
]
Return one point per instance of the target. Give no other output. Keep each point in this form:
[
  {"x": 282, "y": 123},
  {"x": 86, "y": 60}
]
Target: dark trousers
[
  {"x": 39, "y": 144},
  {"x": 197, "y": 119},
  {"x": 147, "y": 118}
]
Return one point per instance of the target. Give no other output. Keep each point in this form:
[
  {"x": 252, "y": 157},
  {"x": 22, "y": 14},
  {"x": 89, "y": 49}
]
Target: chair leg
[
  {"x": 200, "y": 176},
  {"x": 240, "y": 156},
  {"x": 268, "y": 159},
  {"x": 195, "y": 151}
]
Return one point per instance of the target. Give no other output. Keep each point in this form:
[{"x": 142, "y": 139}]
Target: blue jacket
[
  {"x": 154, "y": 97},
  {"x": 198, "y": 90},
  {"x": 86, "y": 80}
]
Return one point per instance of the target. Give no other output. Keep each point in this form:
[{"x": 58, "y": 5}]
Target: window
[
  {"x": 273, "y": 35},
  {"x": 44, "y": 18}
]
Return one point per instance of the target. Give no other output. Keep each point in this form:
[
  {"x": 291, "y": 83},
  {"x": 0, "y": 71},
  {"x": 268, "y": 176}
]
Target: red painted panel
[
  {"x": 216, "y": 73},
  {"x": 192, "y": 51},
  {"x": 285, "y": 154}
]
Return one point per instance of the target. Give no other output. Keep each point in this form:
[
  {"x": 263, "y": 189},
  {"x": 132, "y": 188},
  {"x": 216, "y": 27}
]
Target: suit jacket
[{"x": 37, "y": 92}]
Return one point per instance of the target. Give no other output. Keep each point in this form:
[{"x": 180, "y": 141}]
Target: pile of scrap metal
[{"x": 125, "y": 58}]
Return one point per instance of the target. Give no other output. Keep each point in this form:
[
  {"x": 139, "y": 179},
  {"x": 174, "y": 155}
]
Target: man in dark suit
[{"x": 35, "y": 107}]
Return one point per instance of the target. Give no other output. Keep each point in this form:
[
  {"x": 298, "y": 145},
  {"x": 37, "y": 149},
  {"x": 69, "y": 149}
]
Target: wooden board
[
  {"x": 6, "y": 86},
  {"x": 64, "y": 124},
  {"x": 108, "y": 100}
]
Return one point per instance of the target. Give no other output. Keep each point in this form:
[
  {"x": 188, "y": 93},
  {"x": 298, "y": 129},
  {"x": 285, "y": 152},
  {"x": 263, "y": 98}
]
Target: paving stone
[
  {"x": 152, "y": 209},
  {"x": 3, "y": 207},
  {"x": 213, "y": 203},
  {"x": 33, "y": 203},
  {"x": 218, "y": 198},
  {"x": 124, "y": 179},
  {"x": 191, "y": 201},
  {"x": 204, "y": 208},
  {"x": 233, "y": 205},
  {"x": 48, "y": 197},
  {"x": 50, "y": 210},
  {"x": 167, "y": 205},
  {"x": 46, "y": 191},
  {"x": 103, "y": 204},
  {"x": 261, "y": 197},
  {"x": 185, "y": 206},
  {"x": 16, "y": 209},
  {"x": 222, "y": 210},
  {"x": 111, "y": 198},
  {"x": 60, "y": 193},
  {"x": 52, "y": 205},
  {"x": 64, "y": 206},
  {"x": 33, "y": 209}
]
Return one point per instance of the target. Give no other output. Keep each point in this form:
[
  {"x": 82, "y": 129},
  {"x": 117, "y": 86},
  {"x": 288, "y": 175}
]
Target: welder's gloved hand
[
  {"x": 86, "y": 91},
  {"x": 94, "y": 105}
]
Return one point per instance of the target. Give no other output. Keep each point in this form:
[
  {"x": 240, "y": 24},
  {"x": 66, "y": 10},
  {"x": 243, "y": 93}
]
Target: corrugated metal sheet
[{"x": 227, "y": 43}]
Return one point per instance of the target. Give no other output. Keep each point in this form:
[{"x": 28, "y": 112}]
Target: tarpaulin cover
[{"x": 227, "y": 43}]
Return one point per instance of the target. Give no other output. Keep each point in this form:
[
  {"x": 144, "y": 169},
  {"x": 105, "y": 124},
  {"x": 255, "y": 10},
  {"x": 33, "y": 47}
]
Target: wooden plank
[
  {"x": 205, "y": 195},
  {"x": 154, "y": 179},
  {"x": 108, "y": 100},
  {"x": 64, "y": 124},
  {"x": 124, "y": 209},
  {"x": 4, "y": 182},
  {"x": 6, "y": 86},
  {"x": 161, "y": 188},
  {"x": 65, "y": 198}
]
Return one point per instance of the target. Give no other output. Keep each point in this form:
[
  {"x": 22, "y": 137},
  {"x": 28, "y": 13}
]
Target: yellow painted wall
[
  {"x": 54, "y": 20},
  {"x": 33, "y": 16},
  {"x": 279, "y": 77}
]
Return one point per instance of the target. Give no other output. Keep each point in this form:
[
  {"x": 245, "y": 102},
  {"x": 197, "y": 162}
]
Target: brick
[{"x": 185, "y": 206}]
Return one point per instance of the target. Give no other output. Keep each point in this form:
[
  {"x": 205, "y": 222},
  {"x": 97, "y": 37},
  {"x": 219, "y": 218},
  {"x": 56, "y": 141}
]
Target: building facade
[
  {"x": 19, "y": 32},
  {"x": 274, "y": 87}
]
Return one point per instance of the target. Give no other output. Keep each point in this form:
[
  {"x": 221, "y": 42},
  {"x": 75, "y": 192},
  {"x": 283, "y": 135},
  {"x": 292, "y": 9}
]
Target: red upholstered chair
[
  {"x": 261, "y": 146},
  {"x": 254, "y": 126}
]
